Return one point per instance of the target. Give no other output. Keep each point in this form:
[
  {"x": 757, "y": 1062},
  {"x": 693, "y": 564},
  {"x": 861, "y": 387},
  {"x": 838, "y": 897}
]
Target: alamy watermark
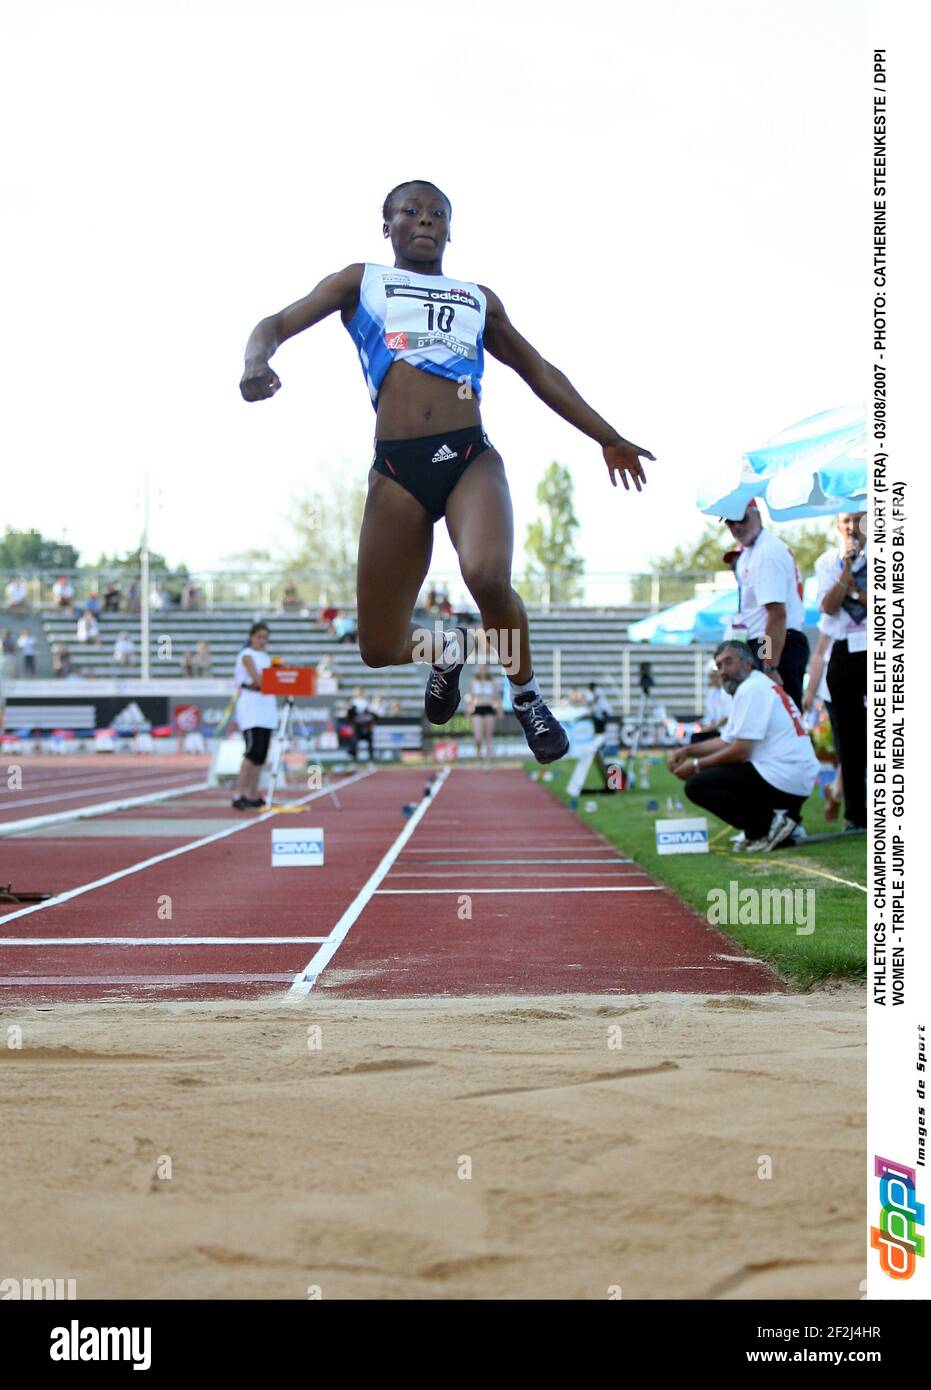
[{"x": 734, "y": 906}]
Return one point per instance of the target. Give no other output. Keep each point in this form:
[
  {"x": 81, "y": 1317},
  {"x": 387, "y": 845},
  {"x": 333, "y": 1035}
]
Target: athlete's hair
[
  {"x": 258, "y": 627},
  {"x": 386, "y": 206},
  {"x": 743, "y": 651}
]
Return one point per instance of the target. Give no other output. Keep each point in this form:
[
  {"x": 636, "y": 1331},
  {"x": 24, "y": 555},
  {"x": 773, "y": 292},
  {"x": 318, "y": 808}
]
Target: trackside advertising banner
[{"x": 899, "y": 883}]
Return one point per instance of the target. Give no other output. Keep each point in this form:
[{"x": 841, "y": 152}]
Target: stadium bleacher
[{"x": 592, "y": 645}]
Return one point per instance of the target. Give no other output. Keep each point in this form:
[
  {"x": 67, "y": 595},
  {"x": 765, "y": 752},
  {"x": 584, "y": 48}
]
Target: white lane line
[
  {"x": 96, "y": 808},
  {"x": 480, "y": 847},
  {"x": 13, "y": 803},
  {"x": 156, "y": 940},
  {"x": 304, "y": 982},
  {"x": 591, "y": 872},
  {"x": 475, "y": 863},
  {"x": 34, "y": 782},
  {"x": 230, "y": 978},
  {"x": 608, "y": 888},
  {"x": 173, "y": 853}
]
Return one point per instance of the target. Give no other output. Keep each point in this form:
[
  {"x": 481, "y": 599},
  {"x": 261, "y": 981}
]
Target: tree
[
  {"x": 326, "y": 528},
  {"x": 554, "y": 570},
  {"x": 30, "y": 550}
]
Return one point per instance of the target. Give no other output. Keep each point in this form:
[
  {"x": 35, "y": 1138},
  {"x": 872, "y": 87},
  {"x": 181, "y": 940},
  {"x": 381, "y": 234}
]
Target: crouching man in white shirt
[{"x": 759, "y": 772}]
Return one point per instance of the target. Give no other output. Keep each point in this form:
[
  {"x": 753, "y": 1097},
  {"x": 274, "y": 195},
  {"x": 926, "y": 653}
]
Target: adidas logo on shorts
[{"x": 444, "y": 453}]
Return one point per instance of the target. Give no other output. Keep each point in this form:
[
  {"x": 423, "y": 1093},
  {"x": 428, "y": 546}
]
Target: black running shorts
[
  {"x": 430, "y": 466},
  {"x": 257, "y": 741}
]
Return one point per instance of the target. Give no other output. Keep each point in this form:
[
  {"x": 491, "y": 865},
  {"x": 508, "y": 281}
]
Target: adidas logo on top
[{"x": 444, "y": 453}]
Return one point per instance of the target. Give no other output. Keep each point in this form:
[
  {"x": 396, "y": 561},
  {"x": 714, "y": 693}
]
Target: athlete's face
[
  {"x": 259, "y": 639},
  {"x": 419, "y": 225}
]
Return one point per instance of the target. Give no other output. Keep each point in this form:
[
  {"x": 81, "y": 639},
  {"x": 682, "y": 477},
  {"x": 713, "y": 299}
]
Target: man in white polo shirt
[
  {"x": 761, "y": 769},
  {"x": 256, "y": 715},
  {"x": 772, "y": 614},
  {"x": 842, "y": 589}
]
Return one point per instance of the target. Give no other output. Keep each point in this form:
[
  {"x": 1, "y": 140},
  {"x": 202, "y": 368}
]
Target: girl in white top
[
  {"x": 483, "y": 704},
  {"x": 256, "y": 715}
]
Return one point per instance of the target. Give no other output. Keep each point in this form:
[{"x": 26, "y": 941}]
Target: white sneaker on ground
[{"x": 781, "y": 827}]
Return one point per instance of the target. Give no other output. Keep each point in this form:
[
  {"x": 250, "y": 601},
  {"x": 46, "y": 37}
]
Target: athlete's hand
[
  {"x": 677, "y": 756},
  {"x": 623, "y": 457},
  {"x": 259, "y": 383}
]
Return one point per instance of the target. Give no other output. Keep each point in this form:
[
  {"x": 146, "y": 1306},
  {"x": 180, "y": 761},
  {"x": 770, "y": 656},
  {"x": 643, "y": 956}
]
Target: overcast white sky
[{"x": 665, "y": 196}]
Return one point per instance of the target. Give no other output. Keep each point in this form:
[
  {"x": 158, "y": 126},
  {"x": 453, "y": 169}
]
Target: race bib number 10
[{"x": 419, "y": 318}]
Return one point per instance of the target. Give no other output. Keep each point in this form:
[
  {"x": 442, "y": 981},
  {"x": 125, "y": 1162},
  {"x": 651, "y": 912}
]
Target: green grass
[{"x": 837, "y": 946}]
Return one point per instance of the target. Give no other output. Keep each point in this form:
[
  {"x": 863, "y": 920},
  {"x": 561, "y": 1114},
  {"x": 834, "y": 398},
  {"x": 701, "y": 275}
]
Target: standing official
[
  {"x": 256, "y": 715},
  {"x": 842, "y": 596},
  {"x": 772, "y": 614}
]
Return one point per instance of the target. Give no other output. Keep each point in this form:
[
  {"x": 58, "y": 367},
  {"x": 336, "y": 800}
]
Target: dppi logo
[{"x": 896, "y": 1237}]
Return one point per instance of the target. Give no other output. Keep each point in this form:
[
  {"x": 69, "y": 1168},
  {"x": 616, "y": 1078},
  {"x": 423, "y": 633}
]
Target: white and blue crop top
[{"x": 433, "y": 323}]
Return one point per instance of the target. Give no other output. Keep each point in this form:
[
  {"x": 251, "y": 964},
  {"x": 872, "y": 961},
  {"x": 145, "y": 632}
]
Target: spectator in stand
[
  {"x": 88, "y": 629},
  {"x": 394, "y": 709},
  {"x": 7, "y": 653},
  {"x": 772, "y": 614},
  {"x": 17, "y": 598},
  {"x": 191, "y": 597},
  {"x": 291, "y": 601},
  {"x": 187, "y": 664},
  {"x": 26, "y": 644},
  {"x": 344, "y": 627},
  {"x": 111, "y": 597},
  {"x": 63, "y": 593},
  {"x": 327, "y": 678},
  {"x": 327, "y": 615},
  {"x": 757, "y": 773},
  {"x": 132, "y": 597},
  {"x": 92, "y": 603},
  {"x": 61, "y": 661},
  {"x": 160, "y": 597},
  {"x": 124, "y": 650},
  {"x": 202, "y": 660},
  {"x": 842, "y": 594}
]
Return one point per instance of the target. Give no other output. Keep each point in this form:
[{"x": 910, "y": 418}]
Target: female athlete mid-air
[{"x": 421, "y": 338}]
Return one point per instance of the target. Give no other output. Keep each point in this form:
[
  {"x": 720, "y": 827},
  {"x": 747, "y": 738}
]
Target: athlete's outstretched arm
[
  {"x": 556, "y": 390},
  {"x": 333, "y": 292}
]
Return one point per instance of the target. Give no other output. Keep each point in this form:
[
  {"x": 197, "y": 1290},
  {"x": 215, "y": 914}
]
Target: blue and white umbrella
[
  {"x": 815, "y": 468},
  {"x": 705, "y": 618}
]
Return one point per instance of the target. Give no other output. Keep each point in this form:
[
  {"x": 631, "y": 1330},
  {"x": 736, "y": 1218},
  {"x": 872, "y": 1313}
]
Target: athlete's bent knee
[
  {"x": 375, "y": 653},
  {"x": 489, "y": 585}
]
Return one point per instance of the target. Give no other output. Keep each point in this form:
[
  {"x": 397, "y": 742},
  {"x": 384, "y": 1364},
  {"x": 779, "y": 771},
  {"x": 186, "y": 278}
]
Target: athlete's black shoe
[
  {"x": 545, "y": 736},
  {"x": 246, "y": 803},
  {"x": 442, "y": 696}
]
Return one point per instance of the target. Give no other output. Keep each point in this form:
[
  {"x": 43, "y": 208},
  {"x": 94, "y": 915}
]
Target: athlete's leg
[
  {"x": 480, "y": 522},
  {"x": 394, "y": 555}
]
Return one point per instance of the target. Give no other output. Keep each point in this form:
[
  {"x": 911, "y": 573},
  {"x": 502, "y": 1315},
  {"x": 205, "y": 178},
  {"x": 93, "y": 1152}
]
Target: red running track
[
  {"x": 39, "y": 786},
  {"x": 499, "y": 889}
]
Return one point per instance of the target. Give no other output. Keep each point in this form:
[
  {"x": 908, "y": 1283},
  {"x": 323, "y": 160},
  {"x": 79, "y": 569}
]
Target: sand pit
[{"x": 593, "y": 1166}]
